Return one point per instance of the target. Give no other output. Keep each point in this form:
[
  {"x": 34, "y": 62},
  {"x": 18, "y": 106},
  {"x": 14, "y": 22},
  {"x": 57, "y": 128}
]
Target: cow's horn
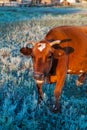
[
  {"x": 59, "y": 41},
  {"x": 29, "y": 42},
  {"x": 55, "y": 42}
]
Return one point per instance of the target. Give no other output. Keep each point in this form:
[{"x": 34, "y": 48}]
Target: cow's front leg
[
  {"x": 61, "y": 75},
  {"x": 40, "y": 92},
  {"x": 57, "y": 93}
]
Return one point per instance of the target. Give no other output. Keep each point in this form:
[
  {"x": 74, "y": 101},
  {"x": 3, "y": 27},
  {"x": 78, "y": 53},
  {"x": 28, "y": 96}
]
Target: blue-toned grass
[{"x": 18, "y": 94}]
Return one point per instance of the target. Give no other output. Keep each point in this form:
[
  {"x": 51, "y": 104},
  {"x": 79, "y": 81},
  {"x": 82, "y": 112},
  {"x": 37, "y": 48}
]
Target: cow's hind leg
[{"x": 81, "y": 79}]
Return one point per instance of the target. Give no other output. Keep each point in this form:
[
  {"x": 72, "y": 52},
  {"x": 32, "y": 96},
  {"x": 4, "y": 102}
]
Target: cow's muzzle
[{"x": 39, "y": 77}]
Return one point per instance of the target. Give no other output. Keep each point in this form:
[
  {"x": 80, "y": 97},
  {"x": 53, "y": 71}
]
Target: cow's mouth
[{"x": 39, "y": 81}]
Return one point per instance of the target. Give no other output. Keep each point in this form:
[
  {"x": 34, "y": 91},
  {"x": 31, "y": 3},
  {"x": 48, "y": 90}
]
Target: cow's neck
[{"x": 53, "y": 68}]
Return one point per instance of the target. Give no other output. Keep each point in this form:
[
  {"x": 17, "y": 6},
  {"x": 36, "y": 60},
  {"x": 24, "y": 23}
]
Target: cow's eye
[
  {"x": 33, "y": 57},
  {"x": 49, "y": 57}
]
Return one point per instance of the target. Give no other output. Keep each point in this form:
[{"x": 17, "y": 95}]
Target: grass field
[{"x": 18, "y": 94}]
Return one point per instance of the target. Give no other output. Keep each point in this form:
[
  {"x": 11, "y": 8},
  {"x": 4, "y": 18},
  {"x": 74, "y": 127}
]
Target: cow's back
[{"x": 77, "y": 44}]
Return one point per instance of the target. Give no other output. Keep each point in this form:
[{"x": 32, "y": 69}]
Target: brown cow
[{"x": 63, "y": 50}]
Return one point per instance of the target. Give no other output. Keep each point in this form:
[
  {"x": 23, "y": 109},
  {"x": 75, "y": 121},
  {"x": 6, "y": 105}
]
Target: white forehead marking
[{"x": 41, "y": 46}]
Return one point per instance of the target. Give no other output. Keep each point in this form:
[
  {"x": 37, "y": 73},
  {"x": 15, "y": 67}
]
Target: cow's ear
[
  {"x": 26, "y": 51},
  {"x": 58, "y": 53}
]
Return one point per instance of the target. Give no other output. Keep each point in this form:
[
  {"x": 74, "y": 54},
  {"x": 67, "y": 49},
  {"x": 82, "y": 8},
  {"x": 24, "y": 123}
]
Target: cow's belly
[{"x": 77, "y": 65}]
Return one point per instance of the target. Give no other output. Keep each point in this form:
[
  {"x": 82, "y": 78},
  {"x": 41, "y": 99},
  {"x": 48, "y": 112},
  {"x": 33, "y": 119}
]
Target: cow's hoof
[
  {"x": 40, "y": 99},
  {"x": 56, "y": 108},
  {"x": 78, "y": 83}
]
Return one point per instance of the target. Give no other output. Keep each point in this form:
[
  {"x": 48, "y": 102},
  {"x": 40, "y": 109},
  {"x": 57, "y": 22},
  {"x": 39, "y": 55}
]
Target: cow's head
[{"x": 43, "y": 54}]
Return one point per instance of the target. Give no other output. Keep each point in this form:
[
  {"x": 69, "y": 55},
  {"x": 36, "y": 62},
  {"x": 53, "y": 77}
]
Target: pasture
[{"x": 18, "y": 94}]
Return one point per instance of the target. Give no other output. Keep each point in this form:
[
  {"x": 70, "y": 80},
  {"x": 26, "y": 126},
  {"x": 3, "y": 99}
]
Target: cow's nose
[{"x": 38, "y": 76}]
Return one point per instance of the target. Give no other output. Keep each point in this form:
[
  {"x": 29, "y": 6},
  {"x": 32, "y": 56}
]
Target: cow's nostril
[{"x": 39, "y": 76}]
